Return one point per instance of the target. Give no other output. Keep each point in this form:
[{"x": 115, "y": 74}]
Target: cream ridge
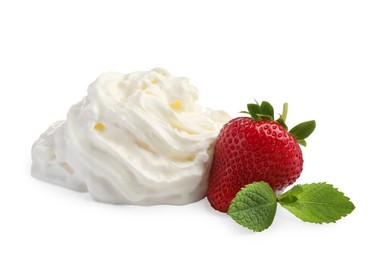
[{"x": 137, "y": 138}]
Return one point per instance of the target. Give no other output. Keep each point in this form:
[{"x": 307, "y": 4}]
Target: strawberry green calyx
[
  {"x": 282, "y": 119},
  {"x": 265, "y": 111},
  {"x": 302, "y": 131}
]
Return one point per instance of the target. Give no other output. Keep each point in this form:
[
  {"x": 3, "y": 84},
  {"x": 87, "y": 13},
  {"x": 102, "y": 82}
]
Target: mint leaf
[
  {"x": 303, "y": 130},
  {"x": 316, "y": 203},
  {"x": 254, "y": 206}
]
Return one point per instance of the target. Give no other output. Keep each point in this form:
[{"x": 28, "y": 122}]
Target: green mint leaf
[
  {"x": 303, "y": 130},
  {"x": 288, "y": 199},
  {"x": 316, "y": 203},
  {"x": 253, "y": 110},
  {"x": 254, "y": 206},
  {"x": 266, "y": 109}
]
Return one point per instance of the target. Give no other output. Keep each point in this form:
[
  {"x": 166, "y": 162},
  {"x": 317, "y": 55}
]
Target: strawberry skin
[{"x": 249, "y": 150}]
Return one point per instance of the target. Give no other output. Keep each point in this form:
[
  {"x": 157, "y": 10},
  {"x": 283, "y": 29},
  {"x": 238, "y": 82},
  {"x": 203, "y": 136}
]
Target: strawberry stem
[
  {"x": 285, "y": 110},
  {"x": 265, "y": 111},
  {"x": 282, "y": 119}
]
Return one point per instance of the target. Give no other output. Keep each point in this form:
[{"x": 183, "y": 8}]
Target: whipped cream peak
[{"x": 137, "y": 138}]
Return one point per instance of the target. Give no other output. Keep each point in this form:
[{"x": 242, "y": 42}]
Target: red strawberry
[{"x": 256, "y": 149}]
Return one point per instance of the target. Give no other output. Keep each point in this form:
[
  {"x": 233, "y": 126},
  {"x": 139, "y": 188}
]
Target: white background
[{"x": 329, "y": 59}]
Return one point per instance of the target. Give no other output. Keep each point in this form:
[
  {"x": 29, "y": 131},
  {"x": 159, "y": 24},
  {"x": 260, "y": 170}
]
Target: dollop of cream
[{"x": 137, "y": 138}]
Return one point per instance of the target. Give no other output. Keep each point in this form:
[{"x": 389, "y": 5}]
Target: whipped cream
[{"x": 136, "y": 138}]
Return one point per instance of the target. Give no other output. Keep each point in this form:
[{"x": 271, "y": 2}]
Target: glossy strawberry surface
[{"x": 247, "y": 151}]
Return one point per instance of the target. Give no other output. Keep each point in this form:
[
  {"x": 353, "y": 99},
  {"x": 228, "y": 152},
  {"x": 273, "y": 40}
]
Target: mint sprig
[
  {"x": 316, "y": 203},
  {"x": 254, "y": 206}
]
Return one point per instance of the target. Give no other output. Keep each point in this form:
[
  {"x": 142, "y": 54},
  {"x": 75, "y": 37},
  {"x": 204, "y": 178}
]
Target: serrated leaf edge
[
  {"x": 324, "y": 222},
  {"x": 231, "y": 212}
]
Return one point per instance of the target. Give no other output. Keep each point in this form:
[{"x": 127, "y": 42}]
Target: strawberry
[{"x": 256, "y": 148}]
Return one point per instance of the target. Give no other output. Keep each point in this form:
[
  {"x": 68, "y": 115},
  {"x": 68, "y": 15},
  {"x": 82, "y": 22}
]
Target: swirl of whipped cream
[{"x": 136, "y": 138}]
